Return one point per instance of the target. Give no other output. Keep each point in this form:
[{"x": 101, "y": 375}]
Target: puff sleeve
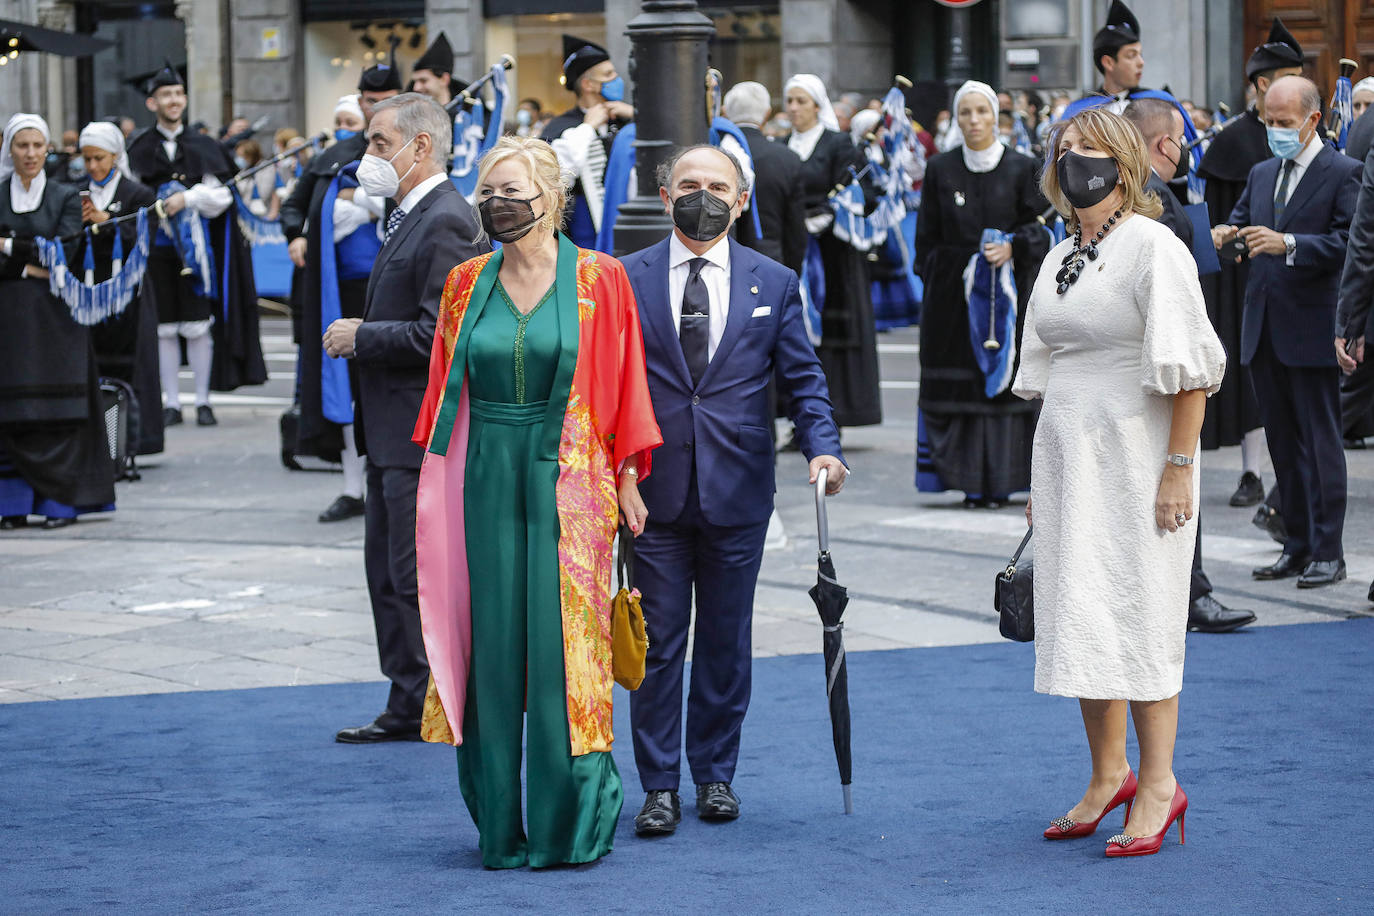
[{"x": 1180, "y": 351}]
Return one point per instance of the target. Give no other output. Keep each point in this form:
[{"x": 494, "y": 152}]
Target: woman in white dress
[{"x": 1118, "y": 344}]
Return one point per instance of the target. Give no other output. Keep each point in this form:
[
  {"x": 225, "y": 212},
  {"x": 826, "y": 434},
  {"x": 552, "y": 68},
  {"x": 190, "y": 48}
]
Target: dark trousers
[
  {"x": 722, "y": 565},
  {"x": 1301, "y": 408},
  {"x": 1357, "y": 402},
  {"x": 389, "y": 556},
  {"x": 1200, "y": 585}
]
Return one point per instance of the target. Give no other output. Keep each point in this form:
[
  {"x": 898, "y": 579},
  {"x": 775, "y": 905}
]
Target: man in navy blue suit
[
  {"x": 719, "y": 320},
  {"x": 1295, "y": 213}
]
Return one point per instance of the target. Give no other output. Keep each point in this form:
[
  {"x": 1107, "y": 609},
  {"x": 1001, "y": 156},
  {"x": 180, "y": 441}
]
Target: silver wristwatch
[
  {"x": 1290, "y": 244},
  {"x": 1180, "y": 461}
]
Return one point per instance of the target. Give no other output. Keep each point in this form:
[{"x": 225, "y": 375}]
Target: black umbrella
[
  {"x": 19, "y": 36},
  {"x": 831, "y": 598}
]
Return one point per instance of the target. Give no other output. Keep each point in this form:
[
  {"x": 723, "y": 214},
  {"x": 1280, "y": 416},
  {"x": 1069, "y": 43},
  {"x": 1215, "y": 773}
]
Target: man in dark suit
[
  {"x": 1354, "y": 313},
  {"x": 431, "y": 230},
  {"x": 1161, "y": 124},
  {"x": 776, "y": 181},
  {"x": 1295, "y": 215},
  {"x": 718, "y": 320}
]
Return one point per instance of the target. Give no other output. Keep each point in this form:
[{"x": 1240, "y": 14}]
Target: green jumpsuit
[{"x": 517, "y": 627}]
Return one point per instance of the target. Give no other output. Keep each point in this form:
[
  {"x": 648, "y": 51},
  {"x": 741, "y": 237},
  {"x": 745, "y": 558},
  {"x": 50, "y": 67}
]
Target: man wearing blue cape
[
  {"x": 337, "y": 259},
  {"x": 583, "y": 135},
  {"x": 214, "y": 307}
]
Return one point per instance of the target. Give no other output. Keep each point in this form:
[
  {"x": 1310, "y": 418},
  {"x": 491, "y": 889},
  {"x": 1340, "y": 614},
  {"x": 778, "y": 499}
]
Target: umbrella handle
[{"x": 822, "y": 524}]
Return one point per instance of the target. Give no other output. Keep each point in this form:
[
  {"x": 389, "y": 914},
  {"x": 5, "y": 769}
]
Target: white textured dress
[{"x": 1111, "y": 587}]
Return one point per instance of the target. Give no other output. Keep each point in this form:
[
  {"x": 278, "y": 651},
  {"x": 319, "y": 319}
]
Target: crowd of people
[{"x": 503, "y": 395}]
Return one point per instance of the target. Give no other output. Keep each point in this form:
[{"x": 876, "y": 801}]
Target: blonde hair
[
  {"x": 1120, "y": 139},
  {"x": 545, "y": 173}
]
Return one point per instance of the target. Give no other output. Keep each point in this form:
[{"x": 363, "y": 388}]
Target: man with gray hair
[
  {"x": 776, "y": 181},
  {"x": 431, "y": 230},
  {"x": 1294, "y": 222}
]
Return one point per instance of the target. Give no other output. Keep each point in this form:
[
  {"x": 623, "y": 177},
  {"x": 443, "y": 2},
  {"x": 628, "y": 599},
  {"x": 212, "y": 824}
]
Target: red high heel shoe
[
  {"x": 1123, "y": 844},
  {"x": 1066, "y": 828}
]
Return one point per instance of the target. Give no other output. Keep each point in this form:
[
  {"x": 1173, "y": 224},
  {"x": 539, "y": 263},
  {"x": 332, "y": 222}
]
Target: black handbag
[{"x": 1015, "y": 598}]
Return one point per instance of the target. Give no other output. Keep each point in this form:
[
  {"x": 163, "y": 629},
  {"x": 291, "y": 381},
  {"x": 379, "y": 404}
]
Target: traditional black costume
[
  {"x": 232, "y": 311},
  {"x": 1233, "y": 152},
  {"x": 977, "y": 444},
  {"x": 54, "y": 455},
  {"x": 848, "y": 349},
  {"x": 126, "y": 344}
]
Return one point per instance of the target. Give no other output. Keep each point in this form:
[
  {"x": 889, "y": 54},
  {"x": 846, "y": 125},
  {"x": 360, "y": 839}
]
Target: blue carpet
[{"x": 240, "y": 800}]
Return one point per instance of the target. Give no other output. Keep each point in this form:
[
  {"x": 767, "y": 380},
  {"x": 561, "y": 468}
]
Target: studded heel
[
  {"x": 1123, "y": 844},
  {"x": 1066, "y": 828}
]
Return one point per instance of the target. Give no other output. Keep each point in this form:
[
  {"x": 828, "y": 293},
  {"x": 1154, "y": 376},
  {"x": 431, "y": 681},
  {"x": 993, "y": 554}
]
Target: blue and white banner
[
  {"x": 89, "y": 302},
  {"x": 1342, "y": 111},
  {"x": 476, "y": 130},
  {"x": 991, "y": 296}
]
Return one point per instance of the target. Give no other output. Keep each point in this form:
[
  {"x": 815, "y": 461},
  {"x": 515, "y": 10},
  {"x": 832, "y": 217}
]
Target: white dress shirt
[
  {"x": 1300, "y": 163},
  {"x": 169, "y": 140},
  {"x": 715, "y": 274},
  {"x": 418, "y": 192}
]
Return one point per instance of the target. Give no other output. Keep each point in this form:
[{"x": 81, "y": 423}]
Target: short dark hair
[
  {"x": 533, "y": 103},
  {"x": 1154, "y": 117},
  {"x": 665, "y": 171}
]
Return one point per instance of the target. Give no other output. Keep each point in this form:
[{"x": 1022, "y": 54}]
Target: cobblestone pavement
[{"x": 214, "y": 573}]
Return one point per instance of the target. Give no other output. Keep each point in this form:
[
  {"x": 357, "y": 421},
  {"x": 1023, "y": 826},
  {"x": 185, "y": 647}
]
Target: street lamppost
[{"x": 668, "y": 60}]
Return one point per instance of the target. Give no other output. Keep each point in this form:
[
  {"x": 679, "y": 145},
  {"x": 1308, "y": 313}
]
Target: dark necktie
[
  {"x": 695, "y": 327},
  {"x": 1281, "y": 198},
  {"x": 393, "y": 222}
]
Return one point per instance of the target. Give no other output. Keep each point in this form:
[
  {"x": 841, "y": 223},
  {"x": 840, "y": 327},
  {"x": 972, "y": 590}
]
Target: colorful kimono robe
[{"x": 599, "y": 414}]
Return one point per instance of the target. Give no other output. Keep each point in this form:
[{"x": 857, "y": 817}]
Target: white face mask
[{"x": 378, "y": 178}]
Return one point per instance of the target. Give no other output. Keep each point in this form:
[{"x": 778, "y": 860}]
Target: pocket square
[{"x": 761, "y": 311}]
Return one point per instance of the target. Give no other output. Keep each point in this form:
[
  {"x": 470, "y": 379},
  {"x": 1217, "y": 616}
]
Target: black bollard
[{"x": 668, "y": 62}]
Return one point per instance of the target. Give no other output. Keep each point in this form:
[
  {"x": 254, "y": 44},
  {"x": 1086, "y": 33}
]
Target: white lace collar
[{"x": 983, "y": 160}]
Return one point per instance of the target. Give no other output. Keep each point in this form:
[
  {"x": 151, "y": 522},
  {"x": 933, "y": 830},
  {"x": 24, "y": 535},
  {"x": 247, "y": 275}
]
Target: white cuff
[{"x": 210, "y": 198}]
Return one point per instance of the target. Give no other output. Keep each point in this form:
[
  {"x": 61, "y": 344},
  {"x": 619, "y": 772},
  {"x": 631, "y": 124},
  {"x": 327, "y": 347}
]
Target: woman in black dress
[
  {"x": 125, "y": 344},
  {"x": 54, "y": 458},
  {"x": 848, "y": 349},
  {"x": 966, "y": 440}
]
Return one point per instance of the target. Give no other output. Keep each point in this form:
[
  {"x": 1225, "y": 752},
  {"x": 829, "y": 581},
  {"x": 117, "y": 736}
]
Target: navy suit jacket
[
  {"x": 721, "y": 430},
  {"x": 1299, "y": 302}
]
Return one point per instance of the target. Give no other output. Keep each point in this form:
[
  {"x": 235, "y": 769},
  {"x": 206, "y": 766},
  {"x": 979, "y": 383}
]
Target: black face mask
[
  {"x": 1181, "y": 167},
  {"x": 701, "y": 215},
  {"x": 507, "y": 219},
  {"x": 1086, "y": 180}
]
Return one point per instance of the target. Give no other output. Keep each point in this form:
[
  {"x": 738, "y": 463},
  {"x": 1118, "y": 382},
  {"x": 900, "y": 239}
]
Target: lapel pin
[
  {"x": 958, "y": 198},
  {"x": 754, "y": 289}
]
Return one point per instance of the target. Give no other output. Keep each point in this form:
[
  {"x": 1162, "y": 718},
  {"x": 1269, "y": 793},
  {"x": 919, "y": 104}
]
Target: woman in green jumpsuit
[{"x": 518, "y": 328}]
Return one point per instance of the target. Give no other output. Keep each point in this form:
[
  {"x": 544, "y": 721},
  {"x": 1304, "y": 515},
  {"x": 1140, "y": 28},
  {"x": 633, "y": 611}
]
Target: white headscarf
[
  {"x": 983, "y": 160},
  {"x": 973, "y": 86},
  {"x": 106, "y": 136},
  {"x": 811, "y": 84},
  {"x": 1365, "y": 84},
  {"x": 20, "y": 121},
  {"x": 350, "y": 104}
]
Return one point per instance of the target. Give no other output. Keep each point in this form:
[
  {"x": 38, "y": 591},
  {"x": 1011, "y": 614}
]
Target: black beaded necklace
[{"x": 1073, "y": 262}]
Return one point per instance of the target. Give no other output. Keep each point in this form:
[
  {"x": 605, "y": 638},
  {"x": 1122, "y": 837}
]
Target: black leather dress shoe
[
  {"x": 205, "y": 416},
  {"x": 50, "y": 524},
  {"x": 661, "y": 814},
  {"x": 11, "y": 522},
  {"x": 383, "y": 728},
  {"x": 1270, "y": 521},
  {"x": 171, "y": 416},
  {"x": 1208, "y": 615},
  {"x": 716, "y": 801},
  {"x": 1370, "y": 596},
  {"x": 1287, "y": 567},
  {"x": 1322, "y": 572},
  {"x": 1249, "y": 491},
  {"x": 342, "y": 508}
]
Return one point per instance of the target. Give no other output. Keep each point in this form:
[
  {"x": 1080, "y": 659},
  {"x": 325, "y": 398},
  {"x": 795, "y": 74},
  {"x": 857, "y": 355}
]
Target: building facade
[{"x": 290, "y": 60}]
